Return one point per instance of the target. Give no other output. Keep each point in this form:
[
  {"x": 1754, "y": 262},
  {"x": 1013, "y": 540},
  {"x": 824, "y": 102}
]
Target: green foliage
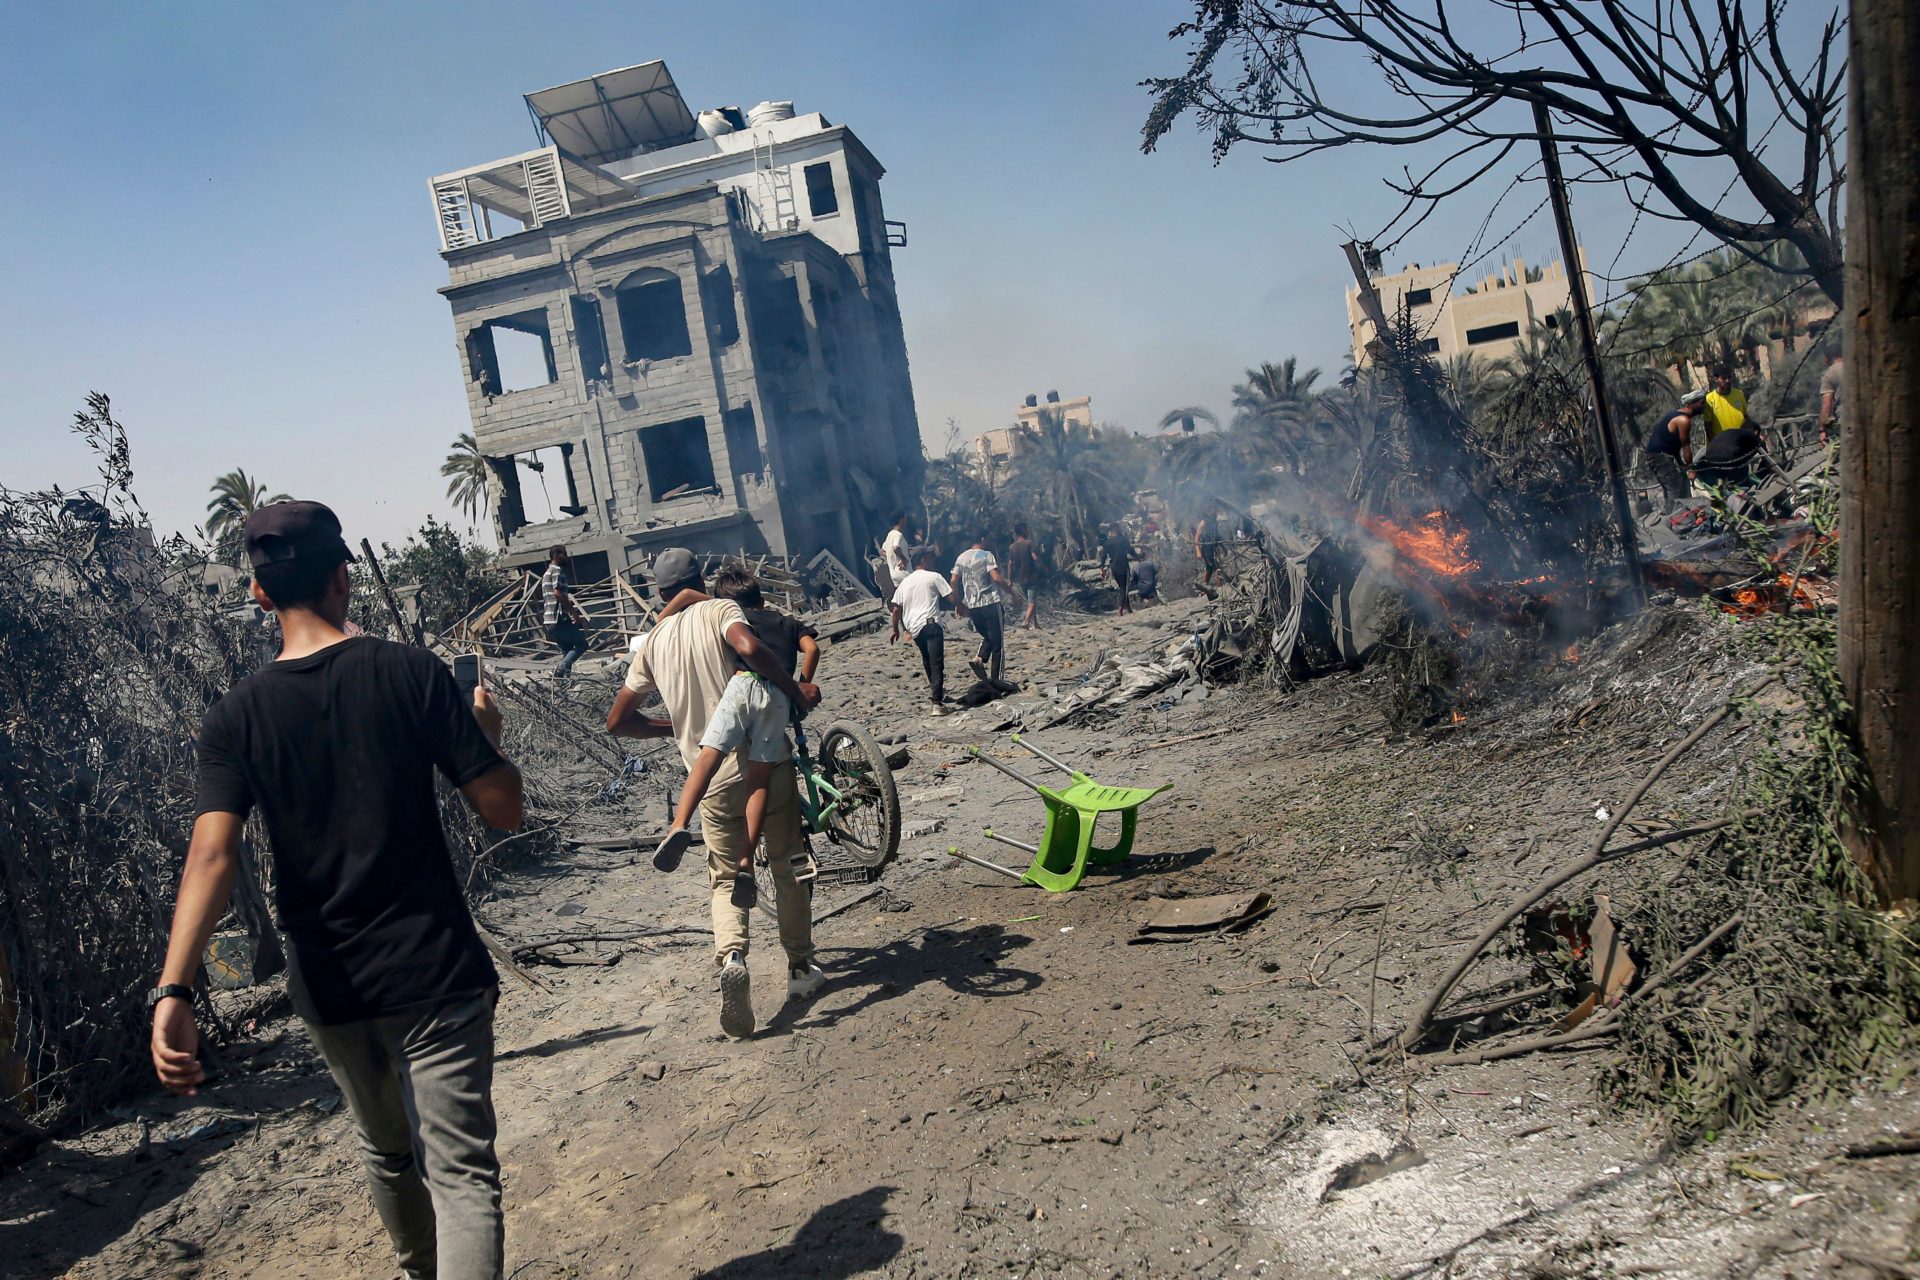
[
  {"x": 1720, "y": 309},
  {"x": 453, "y": 577},
  {"x": 1816, "y": 987},
  {"x": 1069, "y": 479},
  {"x": 960, "y": 506}
]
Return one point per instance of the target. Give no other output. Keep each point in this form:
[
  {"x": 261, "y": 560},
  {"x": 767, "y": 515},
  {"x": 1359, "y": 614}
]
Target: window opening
[
  {"x": 1419, "y": 297},
  {"x": 653, "y": 316},
  {"x": 743, "y": 442},
  {"x": 512, "y": 353},
  {"x": 716, "y": 299},
  {"x": 678, "y": 459},
  {"x": 781, "y": 323},
  {"x": 821, "y": 197},
  {"x": 590, "y": 333},
  {"x": 545, "y": 469},
  {"x": 1493, "y": 333},
  {"x": 1429, "y": 344}
]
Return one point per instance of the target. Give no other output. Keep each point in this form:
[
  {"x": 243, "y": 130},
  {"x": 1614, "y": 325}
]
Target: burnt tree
[
  {"x": 1673, "y": 101},
  {"x": 1880, "y": 458}
]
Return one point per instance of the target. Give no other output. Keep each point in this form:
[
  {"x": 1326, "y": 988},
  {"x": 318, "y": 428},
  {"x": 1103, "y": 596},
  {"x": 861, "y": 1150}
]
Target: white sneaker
[
  {"x": 736, "y": 997},
  {"x": 804, "y": 980}
]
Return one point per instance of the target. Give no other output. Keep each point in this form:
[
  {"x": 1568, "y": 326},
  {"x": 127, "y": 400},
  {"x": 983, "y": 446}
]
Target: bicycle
[{"x": 849, "y": 799}]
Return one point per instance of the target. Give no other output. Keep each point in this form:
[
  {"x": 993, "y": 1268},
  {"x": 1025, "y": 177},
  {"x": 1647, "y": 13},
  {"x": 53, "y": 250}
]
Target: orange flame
[
  {"x": 1433, "y": 544},
  {"x": 1459, "y": 716},
  {"x": 1572, "y": 653}
]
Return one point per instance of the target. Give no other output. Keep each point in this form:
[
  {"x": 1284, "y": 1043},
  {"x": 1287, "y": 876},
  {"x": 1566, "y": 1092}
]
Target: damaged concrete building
[{"x": 680, "y": 330}]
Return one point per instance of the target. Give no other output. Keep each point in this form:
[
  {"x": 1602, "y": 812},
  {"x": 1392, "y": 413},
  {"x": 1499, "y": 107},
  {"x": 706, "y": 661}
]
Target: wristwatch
[{"x": 170, "y": 991}]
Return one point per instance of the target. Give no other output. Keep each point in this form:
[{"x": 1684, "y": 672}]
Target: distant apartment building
[
  {"x": 680, "y": 329},
  {"x": 1486, "y": 321},
  {"x": 995, "y": 450}
]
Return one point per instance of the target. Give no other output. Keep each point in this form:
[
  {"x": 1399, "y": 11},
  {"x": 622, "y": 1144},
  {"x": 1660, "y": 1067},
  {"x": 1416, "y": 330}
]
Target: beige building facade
[
  {"x": 994, "y": 451},
  {"x": 1488, "y": 320}
]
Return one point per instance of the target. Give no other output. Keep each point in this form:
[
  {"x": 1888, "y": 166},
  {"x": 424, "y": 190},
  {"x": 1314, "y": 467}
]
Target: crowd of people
[{"x": 1707, "y": 445}]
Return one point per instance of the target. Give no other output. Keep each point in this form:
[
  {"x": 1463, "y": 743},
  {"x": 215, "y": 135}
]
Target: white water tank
[
  {"x": 711, "y": 124},
  {"x": 768, "y": 112}
]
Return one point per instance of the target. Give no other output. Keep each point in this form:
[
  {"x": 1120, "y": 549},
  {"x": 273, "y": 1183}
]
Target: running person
[{"x": 751, "y": 712}]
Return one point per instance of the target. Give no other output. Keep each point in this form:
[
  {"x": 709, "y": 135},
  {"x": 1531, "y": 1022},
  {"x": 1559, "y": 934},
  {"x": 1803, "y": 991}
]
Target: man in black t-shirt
[
  {"x": 1731, "y": 458},
  {"x": 336, "y": 744}
]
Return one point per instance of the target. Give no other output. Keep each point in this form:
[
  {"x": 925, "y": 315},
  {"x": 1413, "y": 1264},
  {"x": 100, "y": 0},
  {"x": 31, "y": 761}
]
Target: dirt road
[{"x": 994, "y": 1083}]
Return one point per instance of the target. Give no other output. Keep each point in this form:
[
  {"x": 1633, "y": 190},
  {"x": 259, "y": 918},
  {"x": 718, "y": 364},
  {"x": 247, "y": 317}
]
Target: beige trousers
[{"x": 723, "y": 821}]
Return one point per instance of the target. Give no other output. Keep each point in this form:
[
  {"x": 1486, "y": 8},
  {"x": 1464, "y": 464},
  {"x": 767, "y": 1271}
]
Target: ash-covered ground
[{"x": 995, "y": 1083}]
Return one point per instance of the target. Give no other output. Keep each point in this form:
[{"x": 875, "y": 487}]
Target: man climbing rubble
[
  {"x": 688, "y": 660},
  {"x": 895, "y": 562},
  {"x": 560, "y": 615},
  {"x": 336, "y": 743}
]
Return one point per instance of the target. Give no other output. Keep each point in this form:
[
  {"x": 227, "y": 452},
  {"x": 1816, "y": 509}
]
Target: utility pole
[
  {"x": 1590, "y": 348},
  {"x": 1880, "y": 447}
]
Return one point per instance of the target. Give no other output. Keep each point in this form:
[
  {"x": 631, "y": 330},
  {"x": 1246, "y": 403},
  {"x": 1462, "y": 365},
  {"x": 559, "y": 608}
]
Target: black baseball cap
[{"x": 305, "y": 531}]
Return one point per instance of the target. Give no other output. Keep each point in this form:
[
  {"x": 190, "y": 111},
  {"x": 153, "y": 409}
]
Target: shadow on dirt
[
  {"x": 969, "y": 961},
  {"x": 560, "y": 1044},
  {"x": 65, "y": 1205},
  {"x": 1155, "y": 864},
  {"x": 840, "y": 1240}
]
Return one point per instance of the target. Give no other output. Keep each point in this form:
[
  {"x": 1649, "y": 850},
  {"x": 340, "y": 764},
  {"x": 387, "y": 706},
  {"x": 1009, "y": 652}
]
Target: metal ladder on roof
[{"x": 777, "y": 188}]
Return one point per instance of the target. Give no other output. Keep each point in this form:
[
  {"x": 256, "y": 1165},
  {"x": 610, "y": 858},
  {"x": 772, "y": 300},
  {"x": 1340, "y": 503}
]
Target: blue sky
[{"x": 218, "y": 215}]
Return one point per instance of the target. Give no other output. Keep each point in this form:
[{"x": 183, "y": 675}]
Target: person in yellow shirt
[{"x": 1726, "y": 403}]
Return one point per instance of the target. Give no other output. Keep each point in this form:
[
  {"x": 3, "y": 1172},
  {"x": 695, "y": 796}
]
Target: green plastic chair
[{"x": 1066, "y": 845}]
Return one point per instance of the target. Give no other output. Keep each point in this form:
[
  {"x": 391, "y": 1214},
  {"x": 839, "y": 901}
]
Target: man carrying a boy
[
  {"x": 751, "y": 713},
  {"x": 688, "y": 661}
]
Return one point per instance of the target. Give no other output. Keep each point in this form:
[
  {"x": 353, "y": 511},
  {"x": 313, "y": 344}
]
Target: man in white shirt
[
  {"x": 916, "y": 606},
  {"x": 688, "y": 660},
  {"x": 893, "y": 555},
  {"x": 977, "y": 577}
]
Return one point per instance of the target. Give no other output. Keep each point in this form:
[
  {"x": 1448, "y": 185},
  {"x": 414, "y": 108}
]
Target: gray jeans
[{"x": 420, "y": 1087}]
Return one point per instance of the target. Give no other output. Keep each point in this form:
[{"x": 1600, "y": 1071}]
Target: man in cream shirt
[{"x": 688, "y": 660}]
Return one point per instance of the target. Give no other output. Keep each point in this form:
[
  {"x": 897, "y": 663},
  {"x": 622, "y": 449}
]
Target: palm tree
[
  {"x": 1271, "y": 408},
  {"x": 1470, "y": 384},
  {"x": 1187, "y": 417},
  {"x": 1274, "y": 387},
  {"x": 1066, "y": 479},
  {"x": 1207, "y": 466},
  {"x": 236, "y": 495},
  {"x": 468, "y": 476}
]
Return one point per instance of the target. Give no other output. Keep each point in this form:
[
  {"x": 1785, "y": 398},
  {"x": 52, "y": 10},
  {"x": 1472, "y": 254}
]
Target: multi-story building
[
  {"x": 680, "y": 330},
  {"x": 1487, "y": 321},
  {"x": 994, "y": 451}
]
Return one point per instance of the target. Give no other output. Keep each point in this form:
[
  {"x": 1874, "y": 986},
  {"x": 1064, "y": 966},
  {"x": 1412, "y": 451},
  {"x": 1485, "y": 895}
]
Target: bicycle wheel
[{"x": 866, "y": 826}]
